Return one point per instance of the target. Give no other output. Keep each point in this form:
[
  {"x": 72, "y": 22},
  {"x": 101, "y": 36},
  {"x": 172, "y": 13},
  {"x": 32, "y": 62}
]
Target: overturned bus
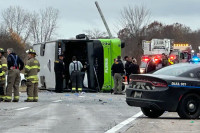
[{"x": 98, "y": 55}]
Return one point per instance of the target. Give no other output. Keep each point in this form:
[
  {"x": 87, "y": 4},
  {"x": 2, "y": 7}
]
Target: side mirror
[{"x": 122, "y": 44}]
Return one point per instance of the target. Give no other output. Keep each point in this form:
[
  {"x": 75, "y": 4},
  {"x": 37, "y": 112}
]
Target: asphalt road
[{"x": 65, "y": 113}]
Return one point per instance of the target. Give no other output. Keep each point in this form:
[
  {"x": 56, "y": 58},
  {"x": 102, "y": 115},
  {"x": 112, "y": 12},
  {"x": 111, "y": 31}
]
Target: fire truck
[
  {"x": 181, "y": 53},
  {"x": 155, "y": 49},
  {"x": 153, "y": 52}
]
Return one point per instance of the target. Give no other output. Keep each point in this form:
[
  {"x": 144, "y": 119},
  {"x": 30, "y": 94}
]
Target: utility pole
[{"x": 103, "y": 19}]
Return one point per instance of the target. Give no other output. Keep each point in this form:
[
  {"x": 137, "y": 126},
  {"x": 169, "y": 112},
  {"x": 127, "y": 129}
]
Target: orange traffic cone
[{"x": 125, "y": 79}]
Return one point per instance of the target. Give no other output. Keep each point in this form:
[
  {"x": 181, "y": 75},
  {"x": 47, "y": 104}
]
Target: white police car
[{"x": 23, "y": 80}]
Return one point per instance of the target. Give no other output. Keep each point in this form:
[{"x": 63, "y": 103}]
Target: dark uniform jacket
[
  {"x": 59, "y": 67},
  {"x": 117, "y": 67},
  {"x": 127, "y": 67},
  {"x": 12, "y": 58},
  {"x": 134, "y": 68}
]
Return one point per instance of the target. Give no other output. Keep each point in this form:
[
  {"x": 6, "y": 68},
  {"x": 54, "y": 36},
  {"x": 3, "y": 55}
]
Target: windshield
[
  {"x": 143, "y": 64},
  {"x": 175, "y": 70}
]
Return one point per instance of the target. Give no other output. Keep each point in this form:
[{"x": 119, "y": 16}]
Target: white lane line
[
  {"x": 127, "y": 121},
  {"x": 57, "y": 101},
  {"x": 23, "y": 108}
]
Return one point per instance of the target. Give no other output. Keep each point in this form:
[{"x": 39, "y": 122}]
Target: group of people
[
  {"x": 75, "y": 68},
  {"x": 13, "y": 64},
  {"x": 131, "y": 67},
  {"x": 119, "y": 69}
]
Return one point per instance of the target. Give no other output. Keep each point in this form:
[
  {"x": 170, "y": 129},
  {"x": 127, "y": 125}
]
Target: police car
[{"x": 175, "y": 88}]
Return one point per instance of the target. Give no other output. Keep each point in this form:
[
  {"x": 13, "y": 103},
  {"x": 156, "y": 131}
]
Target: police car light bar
[{"x": 195, "y": 59}]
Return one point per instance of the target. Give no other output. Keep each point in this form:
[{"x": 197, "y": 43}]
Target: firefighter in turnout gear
[
  {"x": 59, "y": 68},
  {"x": 32, "y": 68},
  {"x": 3, "y": 69},
  {"x": 75, "y": 72},
  {"x": 15, "y": 65}
]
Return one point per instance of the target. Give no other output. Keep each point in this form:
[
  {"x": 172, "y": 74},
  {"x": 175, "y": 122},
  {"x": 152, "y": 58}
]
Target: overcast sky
[{"x": 78, "y": 15}]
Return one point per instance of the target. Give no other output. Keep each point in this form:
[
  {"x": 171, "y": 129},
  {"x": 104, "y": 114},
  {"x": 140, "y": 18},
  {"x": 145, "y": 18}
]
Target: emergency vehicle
[
  {"x": 97, "y": 54},
  {"x": 153, "y": 50},
  {"x": 175, "y": 88},
  {"x": 181, "y": 53}
]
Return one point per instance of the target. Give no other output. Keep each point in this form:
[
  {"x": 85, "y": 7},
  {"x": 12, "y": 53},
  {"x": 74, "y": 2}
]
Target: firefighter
[
  {"x": 15, "y": 65},
  {"x": 3, "y": 67},
  {"x": 59, "y": 68},
  {"x": 75, "y": 72},
  {"x": 170, "y": 61},
  {"x": 164, "y": 60},
  {"x": 32, "y": 68}
]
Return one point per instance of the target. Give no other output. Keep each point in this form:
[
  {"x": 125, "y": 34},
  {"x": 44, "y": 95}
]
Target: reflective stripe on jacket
[
  {"x": 170, "y": 62},
  {"x": 4, "y": 68},
  {"x": 32, "y": 67}
]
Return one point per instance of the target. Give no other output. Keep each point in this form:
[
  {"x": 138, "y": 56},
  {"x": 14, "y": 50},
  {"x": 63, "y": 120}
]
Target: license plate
[{"x": 137, "y": 94}]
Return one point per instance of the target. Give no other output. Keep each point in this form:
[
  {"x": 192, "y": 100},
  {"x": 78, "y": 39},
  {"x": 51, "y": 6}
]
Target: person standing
[
  {"x": 15, "y": 65},
  {"x": 59, "y": 68},
  {"x": 3, "y": 67},
  {"x": 164, "y": 60},
  {"x": 75, "y": 74},
  {"x": 134, "y": 67},
  {"x": 32, "y": 68},
  {"x": 118, "y": 71},
  {"x": 127, "y": 67}
]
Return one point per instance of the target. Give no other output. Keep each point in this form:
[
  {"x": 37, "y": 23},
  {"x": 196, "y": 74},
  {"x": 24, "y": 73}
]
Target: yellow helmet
[
  {"x": 2, "y": 50},
  {"x": 31, "y": 51}
]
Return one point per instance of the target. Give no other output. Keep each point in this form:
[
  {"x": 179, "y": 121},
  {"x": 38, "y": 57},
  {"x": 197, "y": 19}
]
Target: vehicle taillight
[
  {"x": 159, "y": 84},
  {"x": 156, "y": 59},
  {"x": 172, "y": 57},
  {"x": 145, "y": 59}
]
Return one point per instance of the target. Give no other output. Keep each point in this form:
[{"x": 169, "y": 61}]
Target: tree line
[
  {"x": 20, "y": 27},
  {"x": 135, "y": 27}
]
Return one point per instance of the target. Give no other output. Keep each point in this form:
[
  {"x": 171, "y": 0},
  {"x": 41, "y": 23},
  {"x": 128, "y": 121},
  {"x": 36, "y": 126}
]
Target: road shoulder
[{"x": 167, "y": 123}]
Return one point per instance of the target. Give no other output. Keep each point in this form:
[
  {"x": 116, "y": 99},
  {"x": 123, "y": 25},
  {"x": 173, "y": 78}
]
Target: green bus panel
[{"x": 111, "y": 49}]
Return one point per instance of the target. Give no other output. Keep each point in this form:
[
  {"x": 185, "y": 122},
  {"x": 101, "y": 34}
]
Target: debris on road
[
  {"x": 67, "y": 95},
  {"x": 103, "y": 102},
  {"x": 76, "y": 94}
]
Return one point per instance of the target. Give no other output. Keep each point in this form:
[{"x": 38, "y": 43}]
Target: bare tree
[
  {"x": 134, "y": 19},
  {"x": 44, "y": 24},
  {"x": 132, "y": 23},
  {"x": 95, "y": 33},
  {"x": 3, "y": 32},
  {"x": 17, "y": 20},
  {"x": 153, "y": 30}
]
